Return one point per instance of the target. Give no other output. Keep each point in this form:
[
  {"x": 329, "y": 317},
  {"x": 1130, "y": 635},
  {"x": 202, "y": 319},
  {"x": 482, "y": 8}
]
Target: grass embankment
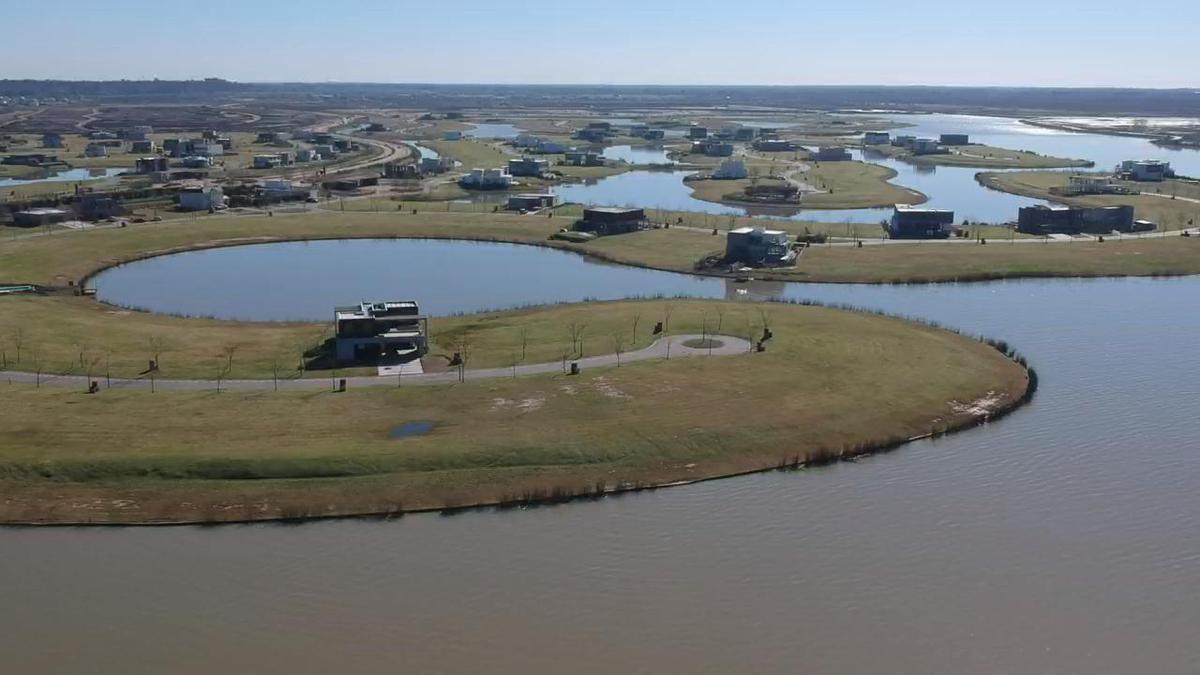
[
  {"x": 1172, "y": 204},
  {"x": 837, "y": 185},
  {"x": 136, "y": 457},
  {"x": 983, "y": 157}
]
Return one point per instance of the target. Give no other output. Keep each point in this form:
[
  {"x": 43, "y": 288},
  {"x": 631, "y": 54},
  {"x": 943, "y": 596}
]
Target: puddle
[{"x": 419, "y": 428}]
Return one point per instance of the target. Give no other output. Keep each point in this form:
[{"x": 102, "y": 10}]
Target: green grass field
[{"x": 131, "y": 456}]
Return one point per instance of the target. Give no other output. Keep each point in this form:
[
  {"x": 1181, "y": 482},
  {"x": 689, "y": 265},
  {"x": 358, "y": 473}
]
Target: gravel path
[{"x": 671, "y": 347}]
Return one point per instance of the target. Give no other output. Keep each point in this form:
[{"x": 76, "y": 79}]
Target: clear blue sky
[{"x": 996, "y": 42}]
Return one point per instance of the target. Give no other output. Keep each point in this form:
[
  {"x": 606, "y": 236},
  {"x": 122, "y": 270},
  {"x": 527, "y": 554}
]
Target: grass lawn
[
  {"x": 985, "y": 157},
  {"x": 128, "y": 456}
]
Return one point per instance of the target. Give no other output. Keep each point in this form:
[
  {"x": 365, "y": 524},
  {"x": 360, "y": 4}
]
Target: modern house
[
  {"x": 138, "y": 133},
  {"x": 909, "y": 222},
  {"x": 904, "y": 141},
  {"x": 831, "y": 153},
  {"x": 52, "y": 140},
  {"x": 1145, "y": 170},
  {"x": 35, "y": 159},
  {"x": 758, "y": 246},
  {"x": 712, "y": 148},
  {"x": 436, "y": 165},
  {"x": 380, "y": 331},
  {"x": 1042, "y": 219},
  {"x": 36, "y": 217},
  {"x": 876, "y": 138},
  {"x": 612, "y": 220},
  {"x": 591, "y": 135},
  {"x": 266, "y": 161},
  {"x": 142, "y": 147},
  {"x": 1090, "y": 184},
  {"x": 926, "y": 146},
  {"x": 743, "y": 134},
  {"x": 731, "y": 169},
  {"x": 954, "y": 139},
  {"x": 486, "y": 179},
  {"x": 95, "y": 150},
  {"x": 531, "y": 201},
  {"x": 196, "y": 162},
  {"x": 654, "y": 134},
  {"x": 201, "y": 198},
  {"x": 583, "y": 158},
  {"x": 696, "y": 132},
  {"x": 638, "y": 130},
  {"x": 528, "y": 166},
  {"x": 153, "y": 164},
  {"x": 98, "y": 206}
]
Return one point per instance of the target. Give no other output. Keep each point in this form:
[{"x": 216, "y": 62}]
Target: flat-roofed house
[
  {"x": 910, "y": 222},
  {"x": 758, "y": 246},
  {"x": 380, "y": 331},
  {"x": 612, "y": 220}
]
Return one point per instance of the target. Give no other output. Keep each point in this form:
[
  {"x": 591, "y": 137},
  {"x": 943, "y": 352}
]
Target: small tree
[
  {"x": 157, "y": 345},
  {"x": 17, "y": 335},
  {"x": 668, "y": 310},
  {"x": 618, "y": 346},
  {"x": 637, "y": 317},
  {"x": 227, "y": 355}
]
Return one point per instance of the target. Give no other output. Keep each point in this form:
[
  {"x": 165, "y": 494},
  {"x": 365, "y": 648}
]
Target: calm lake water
[
  {"x": 491, "y": 130},
  {"x": 952, "y": 188},
  {"x": 64, "y": 177},
  {"x": 638, "y": 154},
  {"x": 1064, "y": 538}
]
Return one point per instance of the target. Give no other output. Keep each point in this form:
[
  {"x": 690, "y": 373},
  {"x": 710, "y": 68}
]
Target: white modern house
[
  {"x": 486, "y": 179},
  {"x": 201, "y": 198}
]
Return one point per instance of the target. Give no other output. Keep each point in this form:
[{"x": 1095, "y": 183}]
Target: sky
[{"x": 937, "y": 42}]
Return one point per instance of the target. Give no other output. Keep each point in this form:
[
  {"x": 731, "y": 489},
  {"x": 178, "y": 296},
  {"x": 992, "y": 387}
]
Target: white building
[
  {"x": 196, "y": 162},
  {"x": 202, "y": 198},
  {"x": 486, "y": 179},
  {"x": 731, "y": 169},
  {"x": 266, "y": 161}
]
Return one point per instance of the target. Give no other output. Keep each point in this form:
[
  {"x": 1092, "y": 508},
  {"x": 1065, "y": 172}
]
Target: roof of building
[
  {"x": 613, "y": 209},
  {"x": 43, "y": 212},
  {"x": 763, "y": 230}
]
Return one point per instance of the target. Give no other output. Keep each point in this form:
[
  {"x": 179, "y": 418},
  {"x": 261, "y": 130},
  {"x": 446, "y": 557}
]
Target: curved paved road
[{"x": 670, "y": 347}]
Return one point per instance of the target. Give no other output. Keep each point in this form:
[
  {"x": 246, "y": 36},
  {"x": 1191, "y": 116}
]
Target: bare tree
[
  {"x": 618, "y": 343},
  {"x": 464, "y": 354},
  {"x": 227, "y": 353},
  {"x": 275, "y": 372},
  {"x": 524, "y": 341},
  {"x": 157, "y": 344},
  {"x": 576, "y": 330},
  {"x": 17, "y": 335},
  {"x": 637, "y": 317},
  {"x": 668, "y": 310},
  {"x": 36, "y": 356}
]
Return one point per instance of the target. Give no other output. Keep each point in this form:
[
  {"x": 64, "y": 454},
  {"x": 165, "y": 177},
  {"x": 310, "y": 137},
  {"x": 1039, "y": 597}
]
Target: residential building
[
  {"x": 743, "y": 134},
  {"x": 909, "y": 222},
  {"x": 876, "y": 138},
  {"x": 436, "y": 165},
  {"x": 101, "y": 135},
  {"x": 954, "y": 139},
  {"x": 1145, "y": 170},
  {"x": 528, "y": 166},
  {"x": 712, "y": 148},
  {"x": 531, "y": 201},
  {"x": 758, "y": 246},
  {"x": 1042, "y": 219},
  {"x": 270, "y": 137},
  {"x": 196, "y": 162},
  {"x": 98, "y": 206},
  {"x": 174, "y": 147},
  {"x": 154, "y": 164},
  {"x": 266, "y": 161},
  {"x": 138, "y": 133},
  {"x": 142, "y": 147},
  {"x": 402, "y": 170},
  {"x": 36, "y": 217},
  {"x": 34, "y": 159},
  {"x": 306, "y": 155},
  {"x": 773, "y": 145},
  {"x": 201, "y": 198},
  {"x": 372, "y": 332},
  {"x": 638, "y": 130},
  {"x": 583, "y": 158},
  {"x": 591, "y": 135},
  {"x": 731, "y": 169},
  {"x": 926, "y": 146},
  {"x": 654, "y": 134},
  {"x": 95, "y": 150},
  {"x": 52, "y": 140},
  {"x": 600, "y": 126},
  {"x": 325, "y": 151},
  {"x": 486, "y": 179},
  {"x": 612, "y": 220},
  {"x": 829, "y": 153},
  {"x": 1091, "y": 184},
  {"x": 904, "y": 141}
]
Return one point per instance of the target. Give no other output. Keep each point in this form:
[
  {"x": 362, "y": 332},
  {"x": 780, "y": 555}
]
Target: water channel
[
  {"x": 65, "y": 176},
  {"x": 1064, "y": 538}
]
